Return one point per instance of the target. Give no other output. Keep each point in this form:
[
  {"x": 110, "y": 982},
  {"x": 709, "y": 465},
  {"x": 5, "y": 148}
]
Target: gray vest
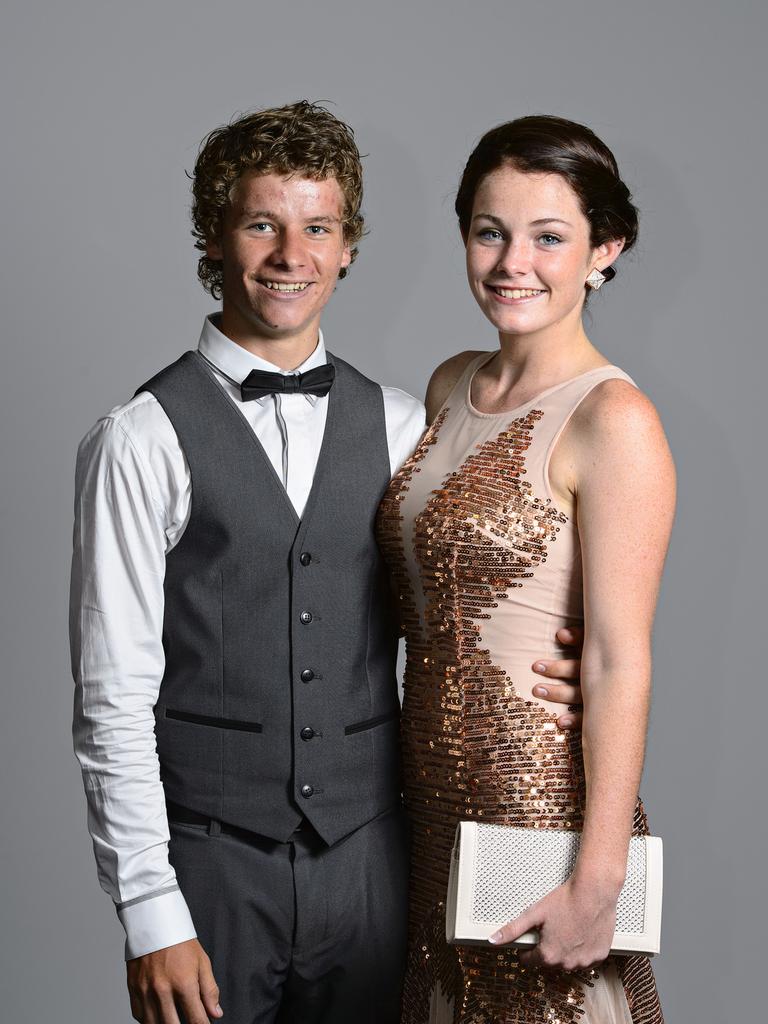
[{"x": 279, "y": 697}]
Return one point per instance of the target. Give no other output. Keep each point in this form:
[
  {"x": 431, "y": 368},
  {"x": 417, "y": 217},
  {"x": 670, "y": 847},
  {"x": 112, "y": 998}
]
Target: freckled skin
[
  {"x": 482, "y": 528},
  {"x": 515, "y": 252}
]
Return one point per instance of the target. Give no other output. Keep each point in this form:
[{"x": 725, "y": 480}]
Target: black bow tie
[{"x": 259, "y": 383}]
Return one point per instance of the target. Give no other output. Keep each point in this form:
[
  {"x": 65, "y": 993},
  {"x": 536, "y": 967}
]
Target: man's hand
[
  {"x": 177, "y": 978},
  {"x": 563, "y": 693}
]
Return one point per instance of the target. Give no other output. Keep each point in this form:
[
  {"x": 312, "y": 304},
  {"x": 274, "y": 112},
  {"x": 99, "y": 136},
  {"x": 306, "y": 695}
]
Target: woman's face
[{"x": 528, "y": 251}]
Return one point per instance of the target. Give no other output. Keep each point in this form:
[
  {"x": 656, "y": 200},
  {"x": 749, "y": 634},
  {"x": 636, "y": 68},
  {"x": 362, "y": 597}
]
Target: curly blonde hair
[{"x": 300, "y": 138}]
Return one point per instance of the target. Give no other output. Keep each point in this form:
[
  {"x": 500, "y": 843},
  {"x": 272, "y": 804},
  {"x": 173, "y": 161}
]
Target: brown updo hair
[{"x": 546, "y": 144}]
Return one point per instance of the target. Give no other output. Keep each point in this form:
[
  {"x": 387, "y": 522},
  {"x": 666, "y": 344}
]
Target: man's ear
[
  {"x": 213, "y": 249},
  {"x": 346, "y": 256}
]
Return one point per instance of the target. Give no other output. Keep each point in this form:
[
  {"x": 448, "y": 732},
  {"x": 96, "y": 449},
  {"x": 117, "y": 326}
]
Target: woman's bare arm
[
  {"x": 624, "y": 484},
  {"x": 625, "y": 497}
]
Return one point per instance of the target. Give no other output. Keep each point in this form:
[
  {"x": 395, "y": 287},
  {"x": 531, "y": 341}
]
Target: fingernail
[
  {"x": 495, "y": 938},
  {"x": 539, "y": 667},
  {"x": 566, "y": 722},
  {"x": 219, "y": 1010},
  {"x": 541, "y": 691}
]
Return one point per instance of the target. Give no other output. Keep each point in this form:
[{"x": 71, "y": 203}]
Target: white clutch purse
[{"x": 498, "y": 871}]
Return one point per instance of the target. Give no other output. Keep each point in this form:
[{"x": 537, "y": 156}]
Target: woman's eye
[
  {"x": 491, "y": 234},
  {"x": 550, "y": 239}
]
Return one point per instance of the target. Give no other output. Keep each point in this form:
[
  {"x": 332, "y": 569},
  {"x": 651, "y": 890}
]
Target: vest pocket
[
  {"x": 370, "y": 723},
  {"x": 216, "y": 723}
]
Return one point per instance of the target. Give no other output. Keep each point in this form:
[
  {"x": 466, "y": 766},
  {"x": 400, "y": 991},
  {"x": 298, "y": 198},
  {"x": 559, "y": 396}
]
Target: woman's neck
[{"x": 537, "y": 361}]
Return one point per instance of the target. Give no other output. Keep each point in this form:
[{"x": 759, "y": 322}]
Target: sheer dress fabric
[{"x": 487, "y": 569}]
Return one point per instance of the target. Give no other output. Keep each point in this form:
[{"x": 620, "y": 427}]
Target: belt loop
[{"x": 214, "y": 828}]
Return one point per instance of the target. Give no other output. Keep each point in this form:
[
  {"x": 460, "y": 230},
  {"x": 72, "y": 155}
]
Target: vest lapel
[
  {"x": 326, "y": 456},
  {"x": 243, "y": 425}
]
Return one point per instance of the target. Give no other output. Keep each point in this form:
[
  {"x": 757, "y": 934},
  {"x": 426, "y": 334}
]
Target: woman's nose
[{"x": 515, "y": 258}]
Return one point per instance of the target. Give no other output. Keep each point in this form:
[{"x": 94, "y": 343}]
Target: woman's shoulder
[
  {"x": 615, "y": 405},
  {"x": 444, "y": 379},
  {"x": 613, "y": 444},
  {"x": 617, "y": 425}
]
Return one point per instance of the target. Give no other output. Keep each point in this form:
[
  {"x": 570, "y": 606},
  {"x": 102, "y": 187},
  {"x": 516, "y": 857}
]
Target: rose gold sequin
[{"x": 472, "y": 747}]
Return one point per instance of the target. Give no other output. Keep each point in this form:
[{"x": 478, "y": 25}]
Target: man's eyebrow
[
  {"x": 269, "y": 215},
  {"x": 324, "y": 220},
  {"x": 254, "y": 214}
]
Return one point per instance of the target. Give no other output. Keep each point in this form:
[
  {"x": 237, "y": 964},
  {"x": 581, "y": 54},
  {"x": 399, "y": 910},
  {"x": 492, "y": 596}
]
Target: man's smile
[{"x": 285, "y": 286}]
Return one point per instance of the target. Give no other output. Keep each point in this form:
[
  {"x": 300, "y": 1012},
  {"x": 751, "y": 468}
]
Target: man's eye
[
  {"x": 260, "y": 226},
  {"x": 492, "y": 234},
  {"x": 317, "y": 229}
]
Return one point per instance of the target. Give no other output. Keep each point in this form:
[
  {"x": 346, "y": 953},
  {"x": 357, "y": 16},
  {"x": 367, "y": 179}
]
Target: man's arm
[
  {"x": 116, "y": 612},
  {"x": 404, "y": 418}
]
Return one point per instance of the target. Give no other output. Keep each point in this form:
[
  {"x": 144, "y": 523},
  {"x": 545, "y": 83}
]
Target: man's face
[{"x": 282, "y": 247}]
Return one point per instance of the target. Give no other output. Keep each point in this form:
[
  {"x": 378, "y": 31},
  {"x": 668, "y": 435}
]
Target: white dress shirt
[{"x": 132, "y": 503}]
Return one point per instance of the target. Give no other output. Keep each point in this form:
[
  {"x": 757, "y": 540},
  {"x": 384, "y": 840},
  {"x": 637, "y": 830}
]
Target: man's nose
[{"x": 290, "y": 250}]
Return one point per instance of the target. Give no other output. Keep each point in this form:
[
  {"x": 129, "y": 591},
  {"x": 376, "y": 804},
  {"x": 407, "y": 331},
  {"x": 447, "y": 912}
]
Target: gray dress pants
[{"x": 300, "y": 931}]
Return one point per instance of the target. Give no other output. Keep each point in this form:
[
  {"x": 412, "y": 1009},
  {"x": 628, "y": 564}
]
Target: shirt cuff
[{"x": 155, "y": 921}]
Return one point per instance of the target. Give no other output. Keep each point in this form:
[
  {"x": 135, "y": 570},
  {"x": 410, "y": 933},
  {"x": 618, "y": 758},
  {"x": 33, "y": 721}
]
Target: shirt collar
[{"x": 236, "y": 362}]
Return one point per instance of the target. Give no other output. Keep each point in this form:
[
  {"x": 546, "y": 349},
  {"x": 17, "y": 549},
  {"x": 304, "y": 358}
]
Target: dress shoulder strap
[
  {"x": 459, "y": 389},
  {"x": 557, "y": 409}
]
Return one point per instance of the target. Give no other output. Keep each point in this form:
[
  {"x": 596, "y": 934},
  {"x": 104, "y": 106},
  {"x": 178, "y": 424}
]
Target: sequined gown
[{"x": 488, "y": 568}]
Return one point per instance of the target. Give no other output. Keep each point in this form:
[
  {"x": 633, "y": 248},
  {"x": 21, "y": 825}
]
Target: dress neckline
[{"x": 525, "y": 405}]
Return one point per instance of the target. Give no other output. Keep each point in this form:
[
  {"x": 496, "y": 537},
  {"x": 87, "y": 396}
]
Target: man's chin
[
  {"x": 260, "y": 325},
  {"x": 282, "y": 331}
]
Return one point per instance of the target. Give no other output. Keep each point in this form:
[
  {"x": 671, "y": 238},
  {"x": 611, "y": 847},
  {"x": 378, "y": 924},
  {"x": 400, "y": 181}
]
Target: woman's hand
[{"x": 575, "y": 925}]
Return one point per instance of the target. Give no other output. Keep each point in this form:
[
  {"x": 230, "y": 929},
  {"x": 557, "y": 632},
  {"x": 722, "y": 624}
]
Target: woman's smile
[{"x": 514, "y": 295}]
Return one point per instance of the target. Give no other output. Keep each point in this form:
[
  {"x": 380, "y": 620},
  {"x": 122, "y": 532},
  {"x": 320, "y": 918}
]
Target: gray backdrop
[{"x": 104, "y": 104}]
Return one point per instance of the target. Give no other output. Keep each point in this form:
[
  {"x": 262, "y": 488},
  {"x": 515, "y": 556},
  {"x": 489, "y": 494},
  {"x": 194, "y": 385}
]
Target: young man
[{"x": 233, "y": 649}]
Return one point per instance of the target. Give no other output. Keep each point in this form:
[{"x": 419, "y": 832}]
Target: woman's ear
[{"x": 607, "y": 253}]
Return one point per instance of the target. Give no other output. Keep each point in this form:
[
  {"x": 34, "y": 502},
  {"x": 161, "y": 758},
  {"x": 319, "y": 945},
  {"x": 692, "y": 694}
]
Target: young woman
[{"x": 541, "y": 496}]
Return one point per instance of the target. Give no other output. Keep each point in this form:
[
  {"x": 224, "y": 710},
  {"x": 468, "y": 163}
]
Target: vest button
[
  {"x": 307, "y": 675},
  {"x": 307, "y": 791},
  {"x": 305, "y": 558},
  {"x": 306, "y": 617},
  {"x": 307, "y": 732}
]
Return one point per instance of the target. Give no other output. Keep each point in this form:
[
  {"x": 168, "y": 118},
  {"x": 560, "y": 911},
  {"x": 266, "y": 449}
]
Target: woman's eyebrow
[
  {"x": 535, "y": 223},
  {"x": 488, "y": 216}
]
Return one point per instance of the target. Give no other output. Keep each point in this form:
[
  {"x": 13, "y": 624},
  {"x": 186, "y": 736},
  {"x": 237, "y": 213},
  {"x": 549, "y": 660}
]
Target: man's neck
[{"x": 287, "y": 352}]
